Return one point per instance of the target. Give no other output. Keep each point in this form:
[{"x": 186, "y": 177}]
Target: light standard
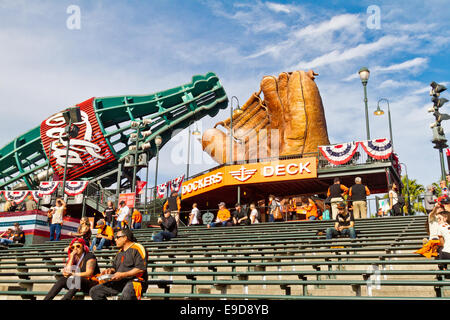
[
  {"x": 232, "y": 112},
  {"x": 158, "y": 142},
  {"x": 71, "y": 115},
  {"x": 134, "y": 149},
  {"x": 364, "y": 76},
  {"x": 380, "y": 112},
  {"x": 196, "y": 132},
  {"x": 408, "y": 204}
]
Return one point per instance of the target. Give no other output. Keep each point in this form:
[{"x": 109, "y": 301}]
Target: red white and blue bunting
[
  {"x": 16, "y": 196},
  {"x": 342, "y": 153},
  {"x": 48, "y": 187},
  {"x": 175, "y": 184},
  {"x": 378, "y": 149},
  {"x": 74, "y": 188},
  {"x": 35, "y": 195},
  {"x": 161, "y": 190},
  {"x": 339, "y": 153}
]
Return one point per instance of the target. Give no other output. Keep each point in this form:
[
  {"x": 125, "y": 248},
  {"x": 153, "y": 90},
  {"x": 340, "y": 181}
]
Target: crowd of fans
[{"x": 128, "y": 274}]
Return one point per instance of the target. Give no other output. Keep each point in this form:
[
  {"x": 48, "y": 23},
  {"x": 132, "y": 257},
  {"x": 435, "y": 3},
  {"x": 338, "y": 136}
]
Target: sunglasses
[
  {"x": 77, "y": 246},
  {"x": 117, "y": 237}
]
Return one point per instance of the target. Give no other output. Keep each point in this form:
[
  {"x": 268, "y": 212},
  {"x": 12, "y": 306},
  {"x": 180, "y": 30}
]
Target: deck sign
[{"x": 251, "y": 173}]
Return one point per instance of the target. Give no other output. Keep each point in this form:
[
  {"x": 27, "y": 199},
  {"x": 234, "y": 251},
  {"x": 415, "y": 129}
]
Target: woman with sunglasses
[
  {"x": 81, "y": 266},
  {"x": 84, "y": 231}
]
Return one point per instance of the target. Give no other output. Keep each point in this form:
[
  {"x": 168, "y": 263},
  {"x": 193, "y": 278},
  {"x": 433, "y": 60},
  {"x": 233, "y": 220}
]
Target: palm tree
[{"x": 415, "y": 190}]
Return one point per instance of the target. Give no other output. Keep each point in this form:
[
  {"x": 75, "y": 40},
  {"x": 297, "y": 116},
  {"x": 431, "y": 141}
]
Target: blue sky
[{"x": 138, "y": 47}]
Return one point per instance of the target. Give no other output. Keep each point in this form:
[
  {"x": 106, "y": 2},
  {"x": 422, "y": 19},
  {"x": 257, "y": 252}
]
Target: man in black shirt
[
  {"x": 129, "y": 271},
  {"x": 19, "y": 235},
  {"x": 344, "y": 223},
  {"x": 239, "y": 216},
  {"x": 169, "y": 227}
]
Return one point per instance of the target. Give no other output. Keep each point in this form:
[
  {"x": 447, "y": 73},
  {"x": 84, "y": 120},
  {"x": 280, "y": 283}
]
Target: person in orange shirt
[
  {"x": 310, "y": 208},
  {"x": 136, "y": 219},
  {"x": 223, "y": 216}
]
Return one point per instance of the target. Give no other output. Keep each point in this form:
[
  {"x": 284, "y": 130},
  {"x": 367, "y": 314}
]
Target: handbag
[{"x": 277, "y": 215}]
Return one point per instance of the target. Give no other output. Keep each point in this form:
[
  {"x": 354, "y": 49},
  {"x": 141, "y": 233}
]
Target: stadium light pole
[
  {"x": 380, "y": 112},
  {"x": 158, "y": 142},
  {"x": 196, "y": 132},
  {"x": 238, "y": 110},
  {"x": 364, "y": 74}
]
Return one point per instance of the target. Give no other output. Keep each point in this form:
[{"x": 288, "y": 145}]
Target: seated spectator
[
  {"x": 344, "y": 223},
  {"x": 310, "y": 208},
  {"x": 84, "y": 231},
  {"x": 169, "y": 227},
  {"x": 432, "y": 245},
  {"x": 80, "y": 267},
  {"x": 7, "y": 237},
  {"x": 128, "y": 273},
  {"x": 254, "y": 214},
  {"x": 104, "y": 238},
  {"x": 136, "y": 219},
  {"x": 194, "y": 216},
  {"x": 17, "y": 236},
  {"x": 223, "y": 217},
  {"x": 239, "y": 216},
  {"x": 443, "y": 233}
]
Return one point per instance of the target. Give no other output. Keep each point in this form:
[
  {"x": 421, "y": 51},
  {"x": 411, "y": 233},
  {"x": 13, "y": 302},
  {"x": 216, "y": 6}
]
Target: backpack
[{"x": 277, "y": 215}]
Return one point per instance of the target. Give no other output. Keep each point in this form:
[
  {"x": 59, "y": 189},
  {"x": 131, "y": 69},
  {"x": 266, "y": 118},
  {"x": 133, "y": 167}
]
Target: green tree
[{"x": 415, "y": 190}]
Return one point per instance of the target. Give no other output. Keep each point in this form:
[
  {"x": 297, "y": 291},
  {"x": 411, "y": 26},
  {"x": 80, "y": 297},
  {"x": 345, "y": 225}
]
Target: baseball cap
[
  {"x": 100, "y": 223},
  {"x": 341, "y": 205},
  {"x": 222, "y": 204}
]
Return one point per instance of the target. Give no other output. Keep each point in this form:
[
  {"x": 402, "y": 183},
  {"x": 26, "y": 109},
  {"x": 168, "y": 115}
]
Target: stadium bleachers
[{"x": 283, "y": 260}]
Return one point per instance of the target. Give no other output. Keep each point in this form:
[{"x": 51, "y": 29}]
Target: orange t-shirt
[
  {"x": 311, "y": 209},
  {"x": 137, "y": 216},
  {"x": 223, "y": 214}
]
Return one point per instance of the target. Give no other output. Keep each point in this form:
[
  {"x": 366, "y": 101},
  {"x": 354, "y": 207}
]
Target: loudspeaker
[
  {"x": 72, "y": 114},
  {"x": 142, "y": 160},
  {"x": 129, "y": 161}
]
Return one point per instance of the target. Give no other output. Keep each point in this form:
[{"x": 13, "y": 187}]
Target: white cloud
[
  {"x": 277, "y": 7},
  {"x": 359, "y": 51},
  {"x": 410, "y": 65},
  {"x": 346, "y": 23}
]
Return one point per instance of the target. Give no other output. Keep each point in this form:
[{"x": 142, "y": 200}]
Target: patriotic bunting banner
[
  {"x": 339, "y": 153},
  {"x": 378, "y": 149},
  {"x": 74, "y": 188},
  {"x": 35, "y": 195},
  {"x": 48, "y": 187},
  {"x": 175, "y": 184},
  {"x": 161, "y": 190},
  {"x": 16, "y": 196}
]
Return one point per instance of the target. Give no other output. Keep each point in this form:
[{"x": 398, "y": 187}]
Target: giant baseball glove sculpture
[{"x": 289, "y": 120}]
